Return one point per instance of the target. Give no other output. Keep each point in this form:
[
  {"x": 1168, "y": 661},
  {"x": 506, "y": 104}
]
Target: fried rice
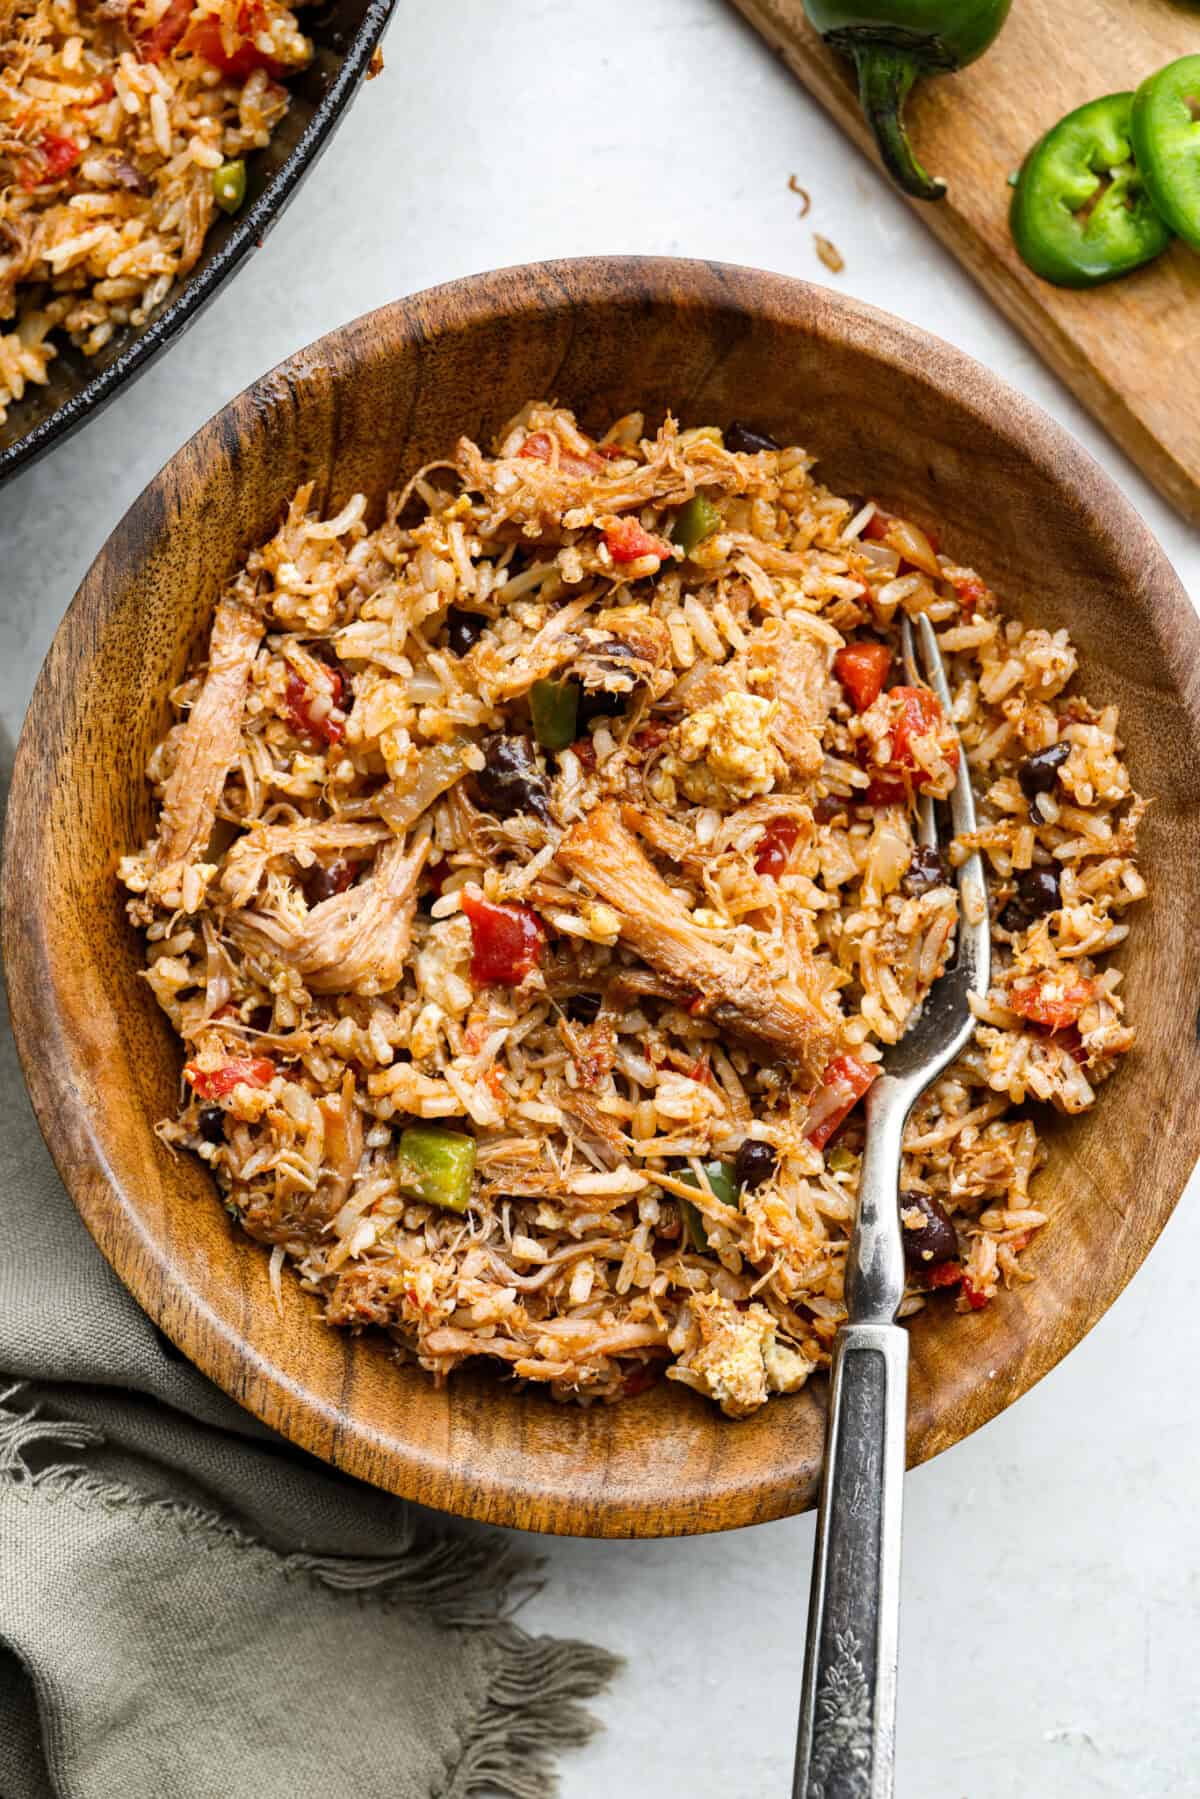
[
  {"x": 535, "y": 892},
  {"x": 123, "y": 125}
]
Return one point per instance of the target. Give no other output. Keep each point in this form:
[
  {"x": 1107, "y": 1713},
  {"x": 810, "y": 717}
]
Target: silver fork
[{"x": 846, "y": 1746}]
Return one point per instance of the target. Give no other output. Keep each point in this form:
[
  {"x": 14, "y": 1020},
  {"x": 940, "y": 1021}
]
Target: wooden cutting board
[{"x": 1130, "y": 351}]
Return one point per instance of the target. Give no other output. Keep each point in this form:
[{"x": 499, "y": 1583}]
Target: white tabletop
[{"x": 1051, "y": 1596}]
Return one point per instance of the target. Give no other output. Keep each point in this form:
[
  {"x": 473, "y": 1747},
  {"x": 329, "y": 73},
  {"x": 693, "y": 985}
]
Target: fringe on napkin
[{"x": 533, "y": 1708}]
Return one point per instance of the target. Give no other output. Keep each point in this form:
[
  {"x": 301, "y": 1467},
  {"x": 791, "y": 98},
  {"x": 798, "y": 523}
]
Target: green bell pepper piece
[
  {"x": 895, "y": 42},
  {"x": 725, "y": 1188},
  {"x": 1165, "y": 128},
  {"x": 696, "y": 521},
  {"x": 229, "y": 185},
  {"x": 436, "y": 1165},
  {"x": 554, "y": 708},
  {"x": 1080, "y": 211}
]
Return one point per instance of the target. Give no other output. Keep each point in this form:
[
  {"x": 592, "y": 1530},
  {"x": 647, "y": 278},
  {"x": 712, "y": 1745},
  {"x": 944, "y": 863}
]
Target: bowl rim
[
  {"x": 499, "y": 1493},
  {"x": 196, "y": 291}
]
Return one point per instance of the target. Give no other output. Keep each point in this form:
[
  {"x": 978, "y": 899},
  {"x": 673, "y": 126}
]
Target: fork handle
[{"x": 846, "y": 1747}]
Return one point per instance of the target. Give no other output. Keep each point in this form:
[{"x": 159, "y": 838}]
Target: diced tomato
[
  {"x": 912, "y": 712},
  {"x": 539, "y": 447},
  {"x": 974, "y": 1298},
  {"x": 638, "y": 1379},
  {"x": 882, "y": 792},
  {"x": 1054, "y": 1011},
  {"x": 218, "y": 1083},
  {"x": 54, "y": 157},
  {"x": 843, "y": 1084},
  {"x": 299, "y": 700},
  {"x": 942, "y": 1274},
  {"x": 203, "y": 39},
  {"x": 775, "y": 846},
  {"x": 862, "y": 669},
  {"x": 649, "y": 737},
  {"x": 506, "y": 941},
  {"x": 917, "y": 713},
  {"x": 585, "y": 752},
  {"x": 627, "y": 542},
  {"x": 971, "y": 592},
  {"x": 61, "y": 153},
  {"x": 159, "y": 43}
]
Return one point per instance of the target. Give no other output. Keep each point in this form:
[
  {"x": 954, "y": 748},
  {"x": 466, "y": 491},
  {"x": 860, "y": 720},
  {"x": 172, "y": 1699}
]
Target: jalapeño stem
[{"x": 885, "y": 77}]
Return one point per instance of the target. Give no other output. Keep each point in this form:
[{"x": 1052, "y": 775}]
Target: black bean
[
  {"x": 755, "y": 1163},
  {"x": 935, "y": 1240},
  {"x": 613, "y": 657},
  {"x": 925, "y": 871},
  {"x": 599, "y": 704},
  {"x": 1039, "y": 772},
  {"x": 583, "y": 1007},
  {"x": 319, "y": 883},
  {"x": 463, "y": 629},
  {"x": 510, "y": 780},
  {"x": 211, "y": 1124},
  {"x": 1037, "y": 893},
  {"x": 745, "y": 440}
]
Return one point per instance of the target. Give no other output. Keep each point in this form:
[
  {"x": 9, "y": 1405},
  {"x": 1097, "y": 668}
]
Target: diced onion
[{"x": 402, "y": 803}]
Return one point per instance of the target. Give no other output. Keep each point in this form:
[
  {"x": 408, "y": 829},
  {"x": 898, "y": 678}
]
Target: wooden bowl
[
  {"x": 888, "y": 410},
  {"x": 344, "y": 35}
]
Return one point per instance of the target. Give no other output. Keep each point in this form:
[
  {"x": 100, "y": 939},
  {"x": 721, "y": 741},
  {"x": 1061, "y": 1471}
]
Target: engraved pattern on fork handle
[
  {"x": 846, "y": 1748},
  {"x": 846, "y": 1743}
]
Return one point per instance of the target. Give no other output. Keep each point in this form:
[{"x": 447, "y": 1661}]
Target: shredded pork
[{"x": 535, "y": 900}]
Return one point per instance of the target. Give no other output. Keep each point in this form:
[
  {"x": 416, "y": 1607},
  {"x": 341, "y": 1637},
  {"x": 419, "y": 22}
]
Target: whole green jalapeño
[
  {"x": 893, "y": 44},
  {"x": 1080, "y": 211},
  {"x": 1165, "y": 127}
]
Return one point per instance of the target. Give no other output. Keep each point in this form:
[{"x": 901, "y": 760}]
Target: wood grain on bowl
[{"x": 887, "y": 409}]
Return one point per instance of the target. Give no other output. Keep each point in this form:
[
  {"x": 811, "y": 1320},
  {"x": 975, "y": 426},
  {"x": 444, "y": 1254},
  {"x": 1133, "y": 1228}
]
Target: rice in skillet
[
  {"x": 535, "y": 892},
  {"x": 123, "y": 125}
]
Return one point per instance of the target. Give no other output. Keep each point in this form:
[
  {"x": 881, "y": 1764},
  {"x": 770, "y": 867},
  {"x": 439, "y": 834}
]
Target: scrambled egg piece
[
  {"x": 724, "y": 751},
  {"x": 441, "y": 966},
  {"x": 739, "y": 1359}
]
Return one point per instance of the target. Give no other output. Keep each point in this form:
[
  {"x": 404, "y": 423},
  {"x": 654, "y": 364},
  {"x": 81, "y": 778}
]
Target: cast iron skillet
[{"x": 344, "y": 33}]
